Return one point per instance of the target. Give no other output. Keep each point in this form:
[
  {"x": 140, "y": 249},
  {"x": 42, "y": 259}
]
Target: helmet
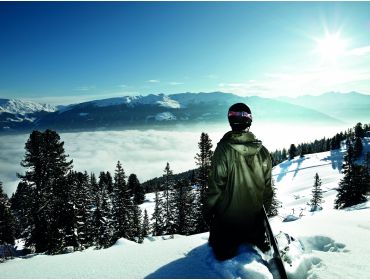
[{"x": 240, "y": 116}]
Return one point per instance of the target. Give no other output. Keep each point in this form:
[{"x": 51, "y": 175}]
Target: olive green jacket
[{"x": 239, "y": 180}]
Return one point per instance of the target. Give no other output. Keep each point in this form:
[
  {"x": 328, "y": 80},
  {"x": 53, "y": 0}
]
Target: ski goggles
[{"x": 239, "y": 114}]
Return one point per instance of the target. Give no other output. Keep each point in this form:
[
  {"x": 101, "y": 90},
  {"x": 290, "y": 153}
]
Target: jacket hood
[{"x": 243, "y": 142}]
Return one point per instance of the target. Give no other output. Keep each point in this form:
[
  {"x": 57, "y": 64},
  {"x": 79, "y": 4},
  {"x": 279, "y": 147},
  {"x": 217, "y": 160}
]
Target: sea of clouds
[{"x": 146, "y": 152}]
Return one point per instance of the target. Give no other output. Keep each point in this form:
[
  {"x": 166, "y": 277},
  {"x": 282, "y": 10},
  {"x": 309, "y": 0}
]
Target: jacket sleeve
[
  {"x": 268, "y": 192},
  {"x": 216, "y": 181}
]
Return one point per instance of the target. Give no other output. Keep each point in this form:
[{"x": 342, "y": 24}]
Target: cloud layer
[{"x": 146, "y": 153}]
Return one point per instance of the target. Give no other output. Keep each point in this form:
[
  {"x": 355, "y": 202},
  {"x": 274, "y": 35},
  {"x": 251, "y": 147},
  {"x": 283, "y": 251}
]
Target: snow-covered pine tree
[
  {"x": 184, "y": 210},
  {"x": 106, "y": 186},
  {"x": 168, "y": 201},
  {"x": 47, "y": 167},
  {"x": 275, "y": 203},
  {"x": 68, "y": 213},
  {"x": 136, "y": 224},
  {"x": 102, "y": 218},
  {"x": 21, "y": 204},
  {"x": 136, "y": 190},
  {"x": 106, "y": 179},
  {"x": 145, "y": 228},
  {"x": 316, "y": 200},
  {"x": 7, "y": 220},
  {"x": 158, "y": 216},
  {"x": 352, "y": 187},
  {"x": 122, "y": 204},
  {"x": 203, "y": 161},
  {"x": 83, "y": 209}
]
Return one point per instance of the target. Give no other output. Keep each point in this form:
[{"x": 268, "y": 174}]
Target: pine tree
[
  {"x": 136, "y": 190},
  {"x": 105, "y": 181},
  {"x": 46, "y": 172},
  {"x": 316, "y": 200},
  {"x": 7, "y": 220},
  {"x": 366, "y": 173},
  {"x": 359, "y": 131},
  {"x": 352, "y": 187},
  {"x": 184, "y": 210},
  {"x": 122, "y": 204},
  {"x": 292, "y": 151},
  {"x": 358, "y": 147},
  {"x": 21, "y": 205},
  {"x": 158, "y": 216},
  {"x": 275, "y": 203},
  {"x": 145, "y": 229},
  {"x": 284, "y": 154},
  {"x": 203, "y": 160},
  {"x": 168, "y": 201},
  {"x": 102, "y": 215},
  {"x": 82, "y": 204},
  {"x": 136, "y": 224}
]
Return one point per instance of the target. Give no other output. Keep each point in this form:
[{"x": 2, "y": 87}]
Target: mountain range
[{"x": 157, "y": 110}]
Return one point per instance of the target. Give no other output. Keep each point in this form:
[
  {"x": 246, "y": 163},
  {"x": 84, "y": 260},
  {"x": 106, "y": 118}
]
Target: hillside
[
  {"x": 151, "y": 111},
  {"x": 336, "y": 242}
]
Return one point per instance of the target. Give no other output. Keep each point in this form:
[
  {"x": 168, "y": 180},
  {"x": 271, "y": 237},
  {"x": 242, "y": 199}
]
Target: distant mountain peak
[{"x": 23, "y": 107}]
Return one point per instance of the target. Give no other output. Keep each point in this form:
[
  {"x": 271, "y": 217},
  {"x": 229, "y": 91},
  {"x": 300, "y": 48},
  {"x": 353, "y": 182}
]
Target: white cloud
[
  {"x": 175, "y": 83},
  {"x": 347, "y": 76},
  {"x": 146, "y": 153},
  {"x": 153, "y": 81},
  {"x": 84, "y": 88},
  {"x": 359, "y": 51}
]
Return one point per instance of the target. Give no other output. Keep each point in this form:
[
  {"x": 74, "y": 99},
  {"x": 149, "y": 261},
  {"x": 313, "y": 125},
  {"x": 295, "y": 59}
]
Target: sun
[{"x": 331, "y": 46}]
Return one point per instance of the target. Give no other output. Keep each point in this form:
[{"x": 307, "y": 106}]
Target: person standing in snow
[{"x": 238, "y": 187}]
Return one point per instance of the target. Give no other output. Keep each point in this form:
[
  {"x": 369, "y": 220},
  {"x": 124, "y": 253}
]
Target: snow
[
  {"x": 23, "y": 107},
  {"x": 151, "y": 99},
  {"x": 165, "y": 116},
  {"x": 161, "y": 100},
  {"x": 327, "y": 243}
]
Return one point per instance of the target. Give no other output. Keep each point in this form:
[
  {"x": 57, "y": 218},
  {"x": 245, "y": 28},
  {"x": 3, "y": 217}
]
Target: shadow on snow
[{"x": 200, "y": 263}]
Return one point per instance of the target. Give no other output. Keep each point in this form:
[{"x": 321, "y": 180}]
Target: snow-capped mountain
[
  {"x": 19, "y": 115},
  {"x": 183, "y": 108},
  {"x": 23, "y": 107}
]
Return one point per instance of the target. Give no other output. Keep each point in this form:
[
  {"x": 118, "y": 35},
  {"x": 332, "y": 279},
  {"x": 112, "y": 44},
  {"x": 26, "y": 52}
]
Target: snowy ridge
[
  {"x": 151, "y": 99},
  {"x": 23, "y": 107},
  {"x": 174, "y": 101}
]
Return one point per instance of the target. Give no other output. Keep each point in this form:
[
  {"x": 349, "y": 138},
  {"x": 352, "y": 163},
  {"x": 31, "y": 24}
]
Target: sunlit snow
[{"x": 323, "y": 244}]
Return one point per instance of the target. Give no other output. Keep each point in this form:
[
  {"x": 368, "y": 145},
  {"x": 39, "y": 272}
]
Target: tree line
[
  {"x": 355, "y": 184},
  {"x": 56, "y": 208},
  {"x": 322, "y": 145}
]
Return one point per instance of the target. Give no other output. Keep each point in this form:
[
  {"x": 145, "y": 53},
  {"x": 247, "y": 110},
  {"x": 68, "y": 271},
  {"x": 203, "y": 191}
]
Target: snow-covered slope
[
  {"x": 23, "y": 107},
  {"x": 151, "y": 99},
  {"x": 335, "y": 242}
]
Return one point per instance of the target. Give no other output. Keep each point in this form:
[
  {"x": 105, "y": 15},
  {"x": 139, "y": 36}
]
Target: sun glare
[{"x": 331, "y": 46}]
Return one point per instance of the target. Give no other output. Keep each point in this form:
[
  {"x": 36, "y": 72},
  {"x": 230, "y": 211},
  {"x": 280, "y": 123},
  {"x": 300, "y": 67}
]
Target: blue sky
[{"x": 65, "y": 52}]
